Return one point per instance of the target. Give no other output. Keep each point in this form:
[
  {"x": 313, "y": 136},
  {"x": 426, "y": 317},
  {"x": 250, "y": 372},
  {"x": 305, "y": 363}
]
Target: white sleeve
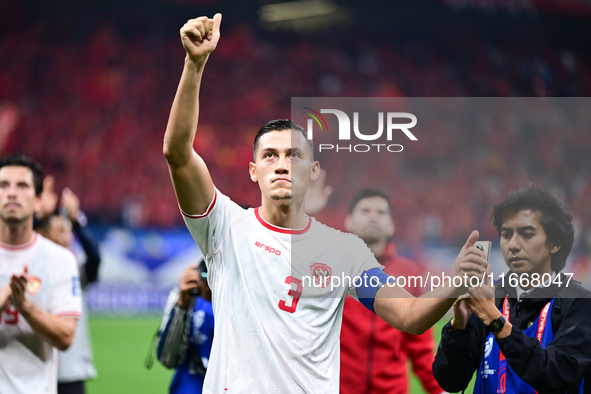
[
  {"x": 66, "y": 294},
  {"x": 211, "y": 228}
]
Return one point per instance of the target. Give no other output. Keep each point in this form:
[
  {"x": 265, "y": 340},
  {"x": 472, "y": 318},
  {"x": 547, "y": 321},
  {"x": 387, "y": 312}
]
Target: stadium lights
[{"x": 280, "y": 12}]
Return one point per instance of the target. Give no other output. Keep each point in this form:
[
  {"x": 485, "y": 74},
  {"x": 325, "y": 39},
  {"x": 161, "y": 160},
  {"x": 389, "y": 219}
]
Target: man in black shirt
[{"x": 532, "y": 331}]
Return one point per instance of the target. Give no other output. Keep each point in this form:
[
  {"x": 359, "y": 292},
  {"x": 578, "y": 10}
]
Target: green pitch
[{"x": 120, "y": 346}]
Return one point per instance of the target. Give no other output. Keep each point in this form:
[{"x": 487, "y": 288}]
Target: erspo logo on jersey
[
  {"x": 344, "y": 121},
  {"x": 267, "y": 248}
]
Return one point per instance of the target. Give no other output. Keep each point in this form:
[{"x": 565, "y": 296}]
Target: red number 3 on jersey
[{"x": 296, "y": 294}]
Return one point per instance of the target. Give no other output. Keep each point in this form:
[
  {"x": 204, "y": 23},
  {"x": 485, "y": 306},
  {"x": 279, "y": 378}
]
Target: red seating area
[{"x": 93, "y": 100}]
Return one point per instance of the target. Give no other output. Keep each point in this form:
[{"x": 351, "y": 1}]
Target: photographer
[{"x": 186, "y": 333}]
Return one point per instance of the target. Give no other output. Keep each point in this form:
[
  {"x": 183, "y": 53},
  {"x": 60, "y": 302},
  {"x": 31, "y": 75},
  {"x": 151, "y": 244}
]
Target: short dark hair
[
  {"x": 25, "y": 161},
  {"x": 368, "y": 193},
  {"x": 555, "y": 218},
  {"x": 279, "y": 125},
  {"x": 45, "y": 222}
]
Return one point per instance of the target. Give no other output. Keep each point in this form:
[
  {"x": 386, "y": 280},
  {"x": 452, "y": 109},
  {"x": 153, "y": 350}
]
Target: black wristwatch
[{"x": 497, "y": 324}]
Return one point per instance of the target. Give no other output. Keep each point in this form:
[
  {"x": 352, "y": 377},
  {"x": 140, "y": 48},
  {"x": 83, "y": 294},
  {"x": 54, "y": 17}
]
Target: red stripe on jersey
[
  {"x": 20, "y": 247},
  {"x": 281, "y": 229},
  {"x": 69, "y": 314},
  {"x": 215, "y": 196}
]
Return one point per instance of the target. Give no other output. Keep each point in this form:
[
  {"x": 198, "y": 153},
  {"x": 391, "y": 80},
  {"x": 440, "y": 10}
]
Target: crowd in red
[{"x": 93, "y": 100}]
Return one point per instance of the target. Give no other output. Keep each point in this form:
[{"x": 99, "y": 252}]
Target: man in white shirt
[
  {"x": 277, "y": 319},
  {"x": 39, "y": 287}
]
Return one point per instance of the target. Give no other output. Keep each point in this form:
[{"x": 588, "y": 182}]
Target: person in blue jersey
[
  {"x": 531, "y": 331},
  {"x": 186, "y": 332}
]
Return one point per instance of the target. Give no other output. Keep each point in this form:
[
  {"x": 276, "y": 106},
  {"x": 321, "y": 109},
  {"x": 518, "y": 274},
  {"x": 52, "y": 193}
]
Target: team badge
[
  {"x": 321, "y": 273},
  {"x": 33, "y": 285},
  {"x": 488, "y": 347}
]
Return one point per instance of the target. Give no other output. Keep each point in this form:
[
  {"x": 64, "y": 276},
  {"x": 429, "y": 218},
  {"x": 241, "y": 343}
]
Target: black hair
[
  {"x": 554, "y": 217},
  {"x": 25, "y": 161},
  {"x": 368, "y": 193},
  {"x": 44, "y": 223},
  {"x": 279, "y": 125}
]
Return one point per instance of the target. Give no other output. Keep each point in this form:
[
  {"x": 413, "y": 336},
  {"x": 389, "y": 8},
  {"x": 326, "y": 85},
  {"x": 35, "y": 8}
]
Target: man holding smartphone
[{"x": 532, "y": 330}]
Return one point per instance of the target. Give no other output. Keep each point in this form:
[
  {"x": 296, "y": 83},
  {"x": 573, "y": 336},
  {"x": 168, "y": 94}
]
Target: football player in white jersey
[
  {"x": 39, "y": 287},
  {"x": 275, "y": 332}
]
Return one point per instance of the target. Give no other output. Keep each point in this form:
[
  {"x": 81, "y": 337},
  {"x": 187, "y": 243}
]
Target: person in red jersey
[{"x": 374, "y": 355}]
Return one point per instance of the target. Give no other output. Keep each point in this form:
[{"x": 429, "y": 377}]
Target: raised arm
[
  {"x": 190, "y": 177},
  {"x": 416, "y": 315}
]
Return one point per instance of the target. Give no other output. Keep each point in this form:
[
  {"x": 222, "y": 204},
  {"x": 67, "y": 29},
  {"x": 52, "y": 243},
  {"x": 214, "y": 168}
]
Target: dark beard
[
  {"x": 278, "y": 198},
  {"x": 14, "y": 221}
]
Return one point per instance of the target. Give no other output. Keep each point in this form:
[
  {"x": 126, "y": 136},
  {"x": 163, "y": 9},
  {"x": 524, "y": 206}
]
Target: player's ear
[
  {"x": 252, "y": 169},
  {"x": 554, "y": 249},
  {"x": 315, "y": 171}
]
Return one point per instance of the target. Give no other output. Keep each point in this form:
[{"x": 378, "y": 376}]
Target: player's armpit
[{"x": 193, "y": 185}]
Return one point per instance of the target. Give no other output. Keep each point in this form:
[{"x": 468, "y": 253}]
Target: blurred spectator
[
  {"x": 186, "y": 333},
  {"x": 75, "y": 364},
  {"x": 374, "y": 355},
  {"x": 101, "y": 92}
]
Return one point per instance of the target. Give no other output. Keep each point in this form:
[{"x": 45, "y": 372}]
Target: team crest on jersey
[
  {"x": 321, "y": 273},
  {"x": 33, "y": 285}
]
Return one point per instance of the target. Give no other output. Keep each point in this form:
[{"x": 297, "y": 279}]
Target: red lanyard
[
  {"x": 539, "y": 333},
  {"x": 541, "y": 322}
]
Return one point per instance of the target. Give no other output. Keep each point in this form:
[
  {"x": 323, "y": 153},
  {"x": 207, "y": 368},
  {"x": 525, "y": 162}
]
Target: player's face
[
  {"x": 523, "y": 243},
  {"x": 59, "y": 231},
  {"x": 371, "y": 220},
  {"x": 18, "y": 201},
  {"x": 283, "y": 165}
]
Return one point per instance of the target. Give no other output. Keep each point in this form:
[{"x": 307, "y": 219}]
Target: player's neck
[
  {"x": 285, "y": 215},
  {"x": 18, "y": 234},
  {"x": 378, "y": 248}
]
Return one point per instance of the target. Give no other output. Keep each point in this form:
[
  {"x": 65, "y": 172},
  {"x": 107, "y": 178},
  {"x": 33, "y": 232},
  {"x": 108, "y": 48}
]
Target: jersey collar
[
  {"x": 20, "y": 247},
  {"x": 282, "y": 230}
]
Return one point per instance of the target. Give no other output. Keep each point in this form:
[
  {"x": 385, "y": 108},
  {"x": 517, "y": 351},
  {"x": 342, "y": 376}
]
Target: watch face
[{"x": 497, "y": 324}]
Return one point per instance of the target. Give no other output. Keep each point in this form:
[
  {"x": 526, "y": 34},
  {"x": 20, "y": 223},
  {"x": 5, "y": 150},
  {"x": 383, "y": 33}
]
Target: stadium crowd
[{"x": 98, "y": 93}]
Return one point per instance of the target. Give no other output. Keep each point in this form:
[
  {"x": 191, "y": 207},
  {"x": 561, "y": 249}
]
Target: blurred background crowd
[{"x": 86, "y": 88}]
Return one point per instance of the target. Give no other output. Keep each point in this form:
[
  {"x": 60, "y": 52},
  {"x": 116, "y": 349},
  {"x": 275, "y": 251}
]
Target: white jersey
[
  {"x": 269, "y": 338},
  {"x": 76, "y": 363},
  {"x": 27, "y": 362}
]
